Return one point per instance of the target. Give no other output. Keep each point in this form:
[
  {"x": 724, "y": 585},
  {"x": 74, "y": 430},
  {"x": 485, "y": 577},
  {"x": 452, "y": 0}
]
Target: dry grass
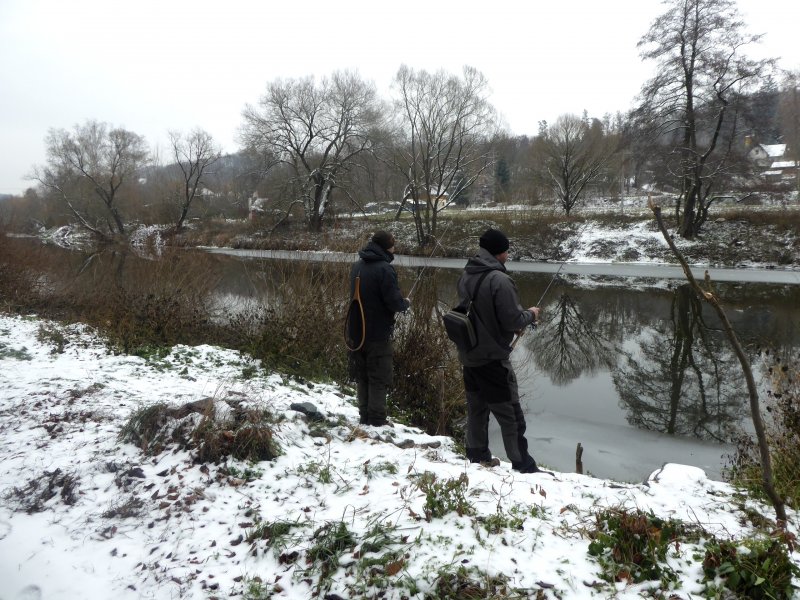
[{"x": 196, "y": 428}]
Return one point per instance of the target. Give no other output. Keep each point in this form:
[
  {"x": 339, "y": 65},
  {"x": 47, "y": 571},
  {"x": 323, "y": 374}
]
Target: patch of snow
[{"x": 186, "y": 534}]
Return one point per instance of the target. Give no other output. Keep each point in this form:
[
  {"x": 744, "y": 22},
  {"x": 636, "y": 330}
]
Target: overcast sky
[{"x": 151, "y": 66}]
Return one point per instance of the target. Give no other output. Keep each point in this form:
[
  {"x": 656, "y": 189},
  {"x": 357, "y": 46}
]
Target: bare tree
[
  {"x": 442, "y": 124},
  {"x": 691, "y": 101},
  {"x": 789, "y": 110},
  {"x": 90, "y": 164},
  {"x": 194, "y": 154},
  {"x": 316, "y": 129},
  {"x": 573, "y": 153}
]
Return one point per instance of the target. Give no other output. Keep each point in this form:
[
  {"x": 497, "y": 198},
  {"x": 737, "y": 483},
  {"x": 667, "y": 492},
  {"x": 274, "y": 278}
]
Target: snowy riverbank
[{"x": 83, "y": 515}]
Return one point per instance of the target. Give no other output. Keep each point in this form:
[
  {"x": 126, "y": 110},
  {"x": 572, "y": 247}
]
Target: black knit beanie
[
  {"x": 384, "y": 239},
  {"x": 495, "y": 241}
]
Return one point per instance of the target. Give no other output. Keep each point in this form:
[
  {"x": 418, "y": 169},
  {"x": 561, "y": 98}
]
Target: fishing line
[
  {"x": 555, "y": 276},
  {"x": 436, "y": 245}
]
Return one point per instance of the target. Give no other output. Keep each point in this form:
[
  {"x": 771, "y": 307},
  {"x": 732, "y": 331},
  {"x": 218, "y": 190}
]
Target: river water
[{"x": 626, "y": 362}]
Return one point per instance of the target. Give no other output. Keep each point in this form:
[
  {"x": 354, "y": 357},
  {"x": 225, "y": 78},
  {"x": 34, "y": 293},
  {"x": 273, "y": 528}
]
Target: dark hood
[
  {"x": 372, "y": 252},
  {"x": 483, "y": 261}
]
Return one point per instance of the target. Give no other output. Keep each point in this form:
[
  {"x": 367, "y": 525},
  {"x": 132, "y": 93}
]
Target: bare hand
[{"x": 535, "y": 310}]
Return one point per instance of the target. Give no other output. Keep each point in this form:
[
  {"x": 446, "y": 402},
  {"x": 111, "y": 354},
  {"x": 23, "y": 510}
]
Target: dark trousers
[
  {"x": 372, "y": 370},
  {"x": 492, "y": 389}
]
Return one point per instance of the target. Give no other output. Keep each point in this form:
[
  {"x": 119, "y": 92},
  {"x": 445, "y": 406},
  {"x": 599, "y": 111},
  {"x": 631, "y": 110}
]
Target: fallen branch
[{"x": 755, "y": 409}]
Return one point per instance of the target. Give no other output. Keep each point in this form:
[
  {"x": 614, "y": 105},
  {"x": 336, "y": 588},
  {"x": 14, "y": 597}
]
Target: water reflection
[
  {"x": 567, "y": 345},
  {"x": 671, "y": 367},
  {"x": 680, "y": 376}
]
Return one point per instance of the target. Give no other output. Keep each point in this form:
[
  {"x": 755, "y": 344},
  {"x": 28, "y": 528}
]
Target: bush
[
  {"x": 444, "y": 497},
  {"x": 427, "y": 390},
  {"x": 782, "y": 404},
  {"x": 632, "y": 546},
  {"x": 300, "y": 330},
  {"x": 755, "y": 569},
  {"x": 194, "y": 427}
]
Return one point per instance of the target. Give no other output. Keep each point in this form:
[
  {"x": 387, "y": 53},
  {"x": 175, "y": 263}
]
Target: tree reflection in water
[
  {"x": 679, "y": 376},
  {"x": 566, "y": 345}
]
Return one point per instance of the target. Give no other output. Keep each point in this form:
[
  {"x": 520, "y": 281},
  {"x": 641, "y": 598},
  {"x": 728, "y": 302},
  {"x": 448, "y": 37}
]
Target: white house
[
  {"x": 773, "y": 163},
  {"x": 256, "y": 206},
  {"x": 763, "y": 155}
]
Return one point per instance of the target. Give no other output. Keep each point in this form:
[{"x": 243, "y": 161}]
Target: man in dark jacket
[
  {"x": 381, "y": 299},
  {"x": 489, "y": 379}
]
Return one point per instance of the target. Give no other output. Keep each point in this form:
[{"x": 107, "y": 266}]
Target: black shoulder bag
[{"x": 458, "y": 321}]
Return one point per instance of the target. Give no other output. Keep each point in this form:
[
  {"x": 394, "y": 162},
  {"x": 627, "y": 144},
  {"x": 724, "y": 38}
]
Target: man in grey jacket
[{"x": 489, "y": 379}]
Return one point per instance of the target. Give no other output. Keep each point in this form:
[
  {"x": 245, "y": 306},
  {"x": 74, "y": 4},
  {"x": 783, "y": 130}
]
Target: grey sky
[{"x": 151, "y": 66}]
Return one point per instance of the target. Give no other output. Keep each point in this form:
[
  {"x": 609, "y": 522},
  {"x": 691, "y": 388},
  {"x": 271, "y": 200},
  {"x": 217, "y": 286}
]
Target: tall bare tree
[
  {"x": 572, "y": 154},
  {"x": 789, "y": 110},
  {"x": 316, "y": 129},
  {"x": 194, "y": 154},
  {"x": 701, "y": 72},
  {"x": 442, "y": 124},
  {"x": 89, "y": 165}
]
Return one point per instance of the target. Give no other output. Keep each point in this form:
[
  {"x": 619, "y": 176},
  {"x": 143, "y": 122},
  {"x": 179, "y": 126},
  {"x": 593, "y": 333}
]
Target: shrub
[
  {"x": 444, "y": 497},
  {"x": 632, "y": 546},
  {"x": 755, "y": 569},
  {"x": 194, "y": 427},
  {"x": 427, "y": 391},
  {"x": 19, "y": 279},
  {"x": 300, "y": 330},
  {"x": 782, "y": 404}
]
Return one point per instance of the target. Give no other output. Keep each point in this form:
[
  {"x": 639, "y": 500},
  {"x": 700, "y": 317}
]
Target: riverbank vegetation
[{"x": 296, "y": 328}]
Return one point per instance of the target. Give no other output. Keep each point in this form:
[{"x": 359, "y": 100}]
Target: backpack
[{"x": 458, "y": 322}]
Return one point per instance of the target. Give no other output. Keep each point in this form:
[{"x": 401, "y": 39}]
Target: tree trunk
[
  {"x": 687, "y": 227},
  {"x": 314, "y": 223},
  {"x": 117, "y": 220},
  {"x": 182, "y": 217}
]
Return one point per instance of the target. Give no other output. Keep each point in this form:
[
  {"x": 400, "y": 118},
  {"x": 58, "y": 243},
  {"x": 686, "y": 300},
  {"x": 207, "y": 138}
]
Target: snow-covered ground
[{"x": 85, "y": 516}]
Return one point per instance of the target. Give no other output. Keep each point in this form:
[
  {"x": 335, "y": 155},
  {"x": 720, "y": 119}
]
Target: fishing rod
[
  {"x": 436, "y": 245},
  {"x": 555, "y": 276}
]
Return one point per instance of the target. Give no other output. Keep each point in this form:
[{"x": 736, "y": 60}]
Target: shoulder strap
[
  {"x": 471, "y": 298},
  {"x": 477, "y": 285},
  {"x": 468, "y": 309}
]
